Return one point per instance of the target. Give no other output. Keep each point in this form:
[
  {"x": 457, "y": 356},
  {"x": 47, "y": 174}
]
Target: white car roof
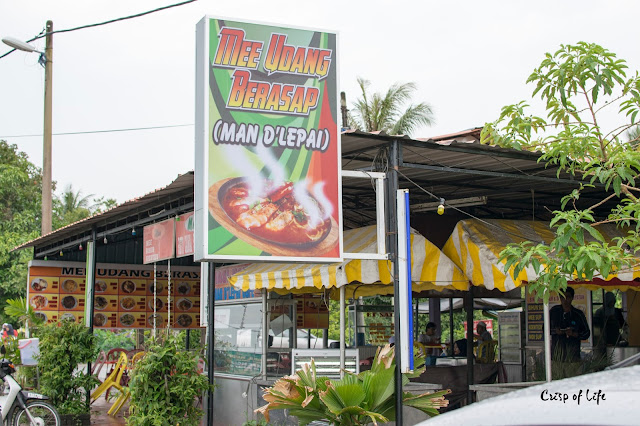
[{"x": 572, "y": 401}]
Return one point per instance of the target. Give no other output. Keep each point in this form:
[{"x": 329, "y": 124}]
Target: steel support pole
[
  {"x": 211, "y": 301},
  {"x": 469, "y": 309},
  {"x": 48, "y": 132},
  {"x": 343, "y": 346},
  {"x": 450, "y": 350},
  {"x": 265, "y": 333},
  {"x": 392, "y": 245},
  {"x": 547, "y": 341}
]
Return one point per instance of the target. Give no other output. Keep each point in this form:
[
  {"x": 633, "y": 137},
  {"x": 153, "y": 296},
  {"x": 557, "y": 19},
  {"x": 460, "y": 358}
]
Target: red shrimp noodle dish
[{"x": 284, "y": 214}]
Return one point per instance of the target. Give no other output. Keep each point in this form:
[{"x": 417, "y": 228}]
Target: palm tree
[
  {"x": 23, "y": 312},
  {"x": 376, "y": 112},
  {"x": 633, "y": 136},
  {"x": 71, "y": 206}
]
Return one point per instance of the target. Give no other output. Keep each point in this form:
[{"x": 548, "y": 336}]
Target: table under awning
[
  {"x": 430, "y": 269},
  {"x": 475, "y": 246}
]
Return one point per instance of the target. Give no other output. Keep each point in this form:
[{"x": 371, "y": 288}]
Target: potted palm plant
[{"x": 356, "y": 399}]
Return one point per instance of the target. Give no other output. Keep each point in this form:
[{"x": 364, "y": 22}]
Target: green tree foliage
[
  {"x": 105, "y": 340},
  {"x": 373, "y": 112},
  {"x": 579, "y": 84},
  {"x": 20, "y": 195}
]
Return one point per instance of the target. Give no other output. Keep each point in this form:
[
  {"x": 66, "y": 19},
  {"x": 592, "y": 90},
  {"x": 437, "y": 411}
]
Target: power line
[
  {"x": 102, "y": 131},
  {"x": 44, "y": 34}
]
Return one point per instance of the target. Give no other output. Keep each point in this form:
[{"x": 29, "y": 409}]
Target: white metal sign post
[{"x": 404, "y": 303}]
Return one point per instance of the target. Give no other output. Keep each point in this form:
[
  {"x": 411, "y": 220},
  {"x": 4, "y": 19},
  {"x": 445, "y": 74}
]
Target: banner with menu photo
[
  {"x": 159, "y": 241},
  {"x": 267, "y": 145},
  {"x": 123, "y": 295}
]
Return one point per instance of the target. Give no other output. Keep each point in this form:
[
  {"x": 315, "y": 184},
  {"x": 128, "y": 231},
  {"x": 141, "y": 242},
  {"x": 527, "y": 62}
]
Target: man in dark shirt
[{"x": 568, "y": 327}]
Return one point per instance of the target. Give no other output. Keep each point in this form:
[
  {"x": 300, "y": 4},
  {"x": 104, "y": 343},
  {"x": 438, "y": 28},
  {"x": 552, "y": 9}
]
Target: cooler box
[{"x": 29, "y": 350}]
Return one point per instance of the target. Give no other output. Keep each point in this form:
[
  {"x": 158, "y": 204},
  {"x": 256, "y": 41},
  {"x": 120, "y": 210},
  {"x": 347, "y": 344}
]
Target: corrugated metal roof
[
  {"x": 182, "y": 184},
  {"x": 449, "y": 166}
]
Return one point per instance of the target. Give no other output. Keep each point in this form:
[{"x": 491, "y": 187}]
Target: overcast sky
[{"x": 468, "y": 59}]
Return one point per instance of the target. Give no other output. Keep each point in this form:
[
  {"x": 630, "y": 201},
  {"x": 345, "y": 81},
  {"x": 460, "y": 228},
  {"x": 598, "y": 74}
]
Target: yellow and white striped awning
[
  {"x": 429, "y": 269},
  {"x": 475, "y": 246}
]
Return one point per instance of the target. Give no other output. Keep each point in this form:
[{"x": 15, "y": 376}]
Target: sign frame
[{"x": 203, "y": 134}]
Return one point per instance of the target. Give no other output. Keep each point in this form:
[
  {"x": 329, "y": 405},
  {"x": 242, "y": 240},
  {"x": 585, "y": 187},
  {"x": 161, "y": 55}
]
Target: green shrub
[
  {"x": 165, "y": 385},
  {"x": 63, "y": 346}
]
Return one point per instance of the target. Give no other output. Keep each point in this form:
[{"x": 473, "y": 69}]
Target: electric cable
[
  {"x": 89, "y": 132},
  {"x": 82, "y": 27}
]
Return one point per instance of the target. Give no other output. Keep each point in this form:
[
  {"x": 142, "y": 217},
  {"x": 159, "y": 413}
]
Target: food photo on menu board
[
  {"x": 118, "y": 302},
  {"x": 272, "y": 173}
]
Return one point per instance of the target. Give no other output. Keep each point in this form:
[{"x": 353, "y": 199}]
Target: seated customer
[
  {"x": 483, "y": 334},
  {"x": 430, "y": 338},
  {"x": 460, "y": 348}
]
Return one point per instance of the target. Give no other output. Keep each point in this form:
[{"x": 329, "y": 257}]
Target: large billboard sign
[{"x": 267, "y": 143}]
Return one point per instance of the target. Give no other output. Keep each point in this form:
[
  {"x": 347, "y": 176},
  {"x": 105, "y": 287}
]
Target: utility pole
[
  {"x": 48, "y": 131},
  {"x": 343, "y": 111}
]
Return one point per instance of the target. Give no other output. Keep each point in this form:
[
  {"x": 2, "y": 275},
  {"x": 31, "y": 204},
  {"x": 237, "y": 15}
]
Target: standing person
[
  {"x": 568, "y": 328},
  {"x": 430, "y": 337},
  {"x": 610, "y": 320},
  {"x": 8, "y": 331}
]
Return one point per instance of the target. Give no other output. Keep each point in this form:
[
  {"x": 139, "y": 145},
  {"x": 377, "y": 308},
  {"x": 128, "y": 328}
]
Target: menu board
[
  {"x": 312, "y": 311},
  {"x": 535, "y": 320},
  {"x": 123, "y": 294},
  {"x": 510, "y": 339}
]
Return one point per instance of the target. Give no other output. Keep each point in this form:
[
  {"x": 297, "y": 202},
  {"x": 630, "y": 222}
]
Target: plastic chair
[
  {"x": 486, "y": 352},
  {"x": 100, "y": 362},
  {"x": 112, "y": 358},
  {"x": 125, "y": 394},
  {"x": 113, "y": 379}
]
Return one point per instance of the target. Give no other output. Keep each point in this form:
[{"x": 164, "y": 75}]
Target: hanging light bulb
[
  {"x": 441, "y": 207},
  {"x": 133, "y": 231},
  {"x": 80, "y": 247},
  {"x": 105, "y": 240}
]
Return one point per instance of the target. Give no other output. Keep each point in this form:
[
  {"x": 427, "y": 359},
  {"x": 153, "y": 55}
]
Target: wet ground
[{"x": 99, "y": 414}]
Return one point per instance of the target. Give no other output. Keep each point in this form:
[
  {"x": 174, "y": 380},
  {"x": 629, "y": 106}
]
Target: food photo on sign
[{"x": 269, "y": 177}]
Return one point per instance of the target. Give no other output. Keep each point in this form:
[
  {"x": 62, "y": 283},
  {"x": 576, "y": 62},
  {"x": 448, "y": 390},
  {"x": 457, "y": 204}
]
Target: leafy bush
[
  {"x": 164, "y": 386},
  {"x": 356, "y": 399},
  {"x": 63, "y": 346}
]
